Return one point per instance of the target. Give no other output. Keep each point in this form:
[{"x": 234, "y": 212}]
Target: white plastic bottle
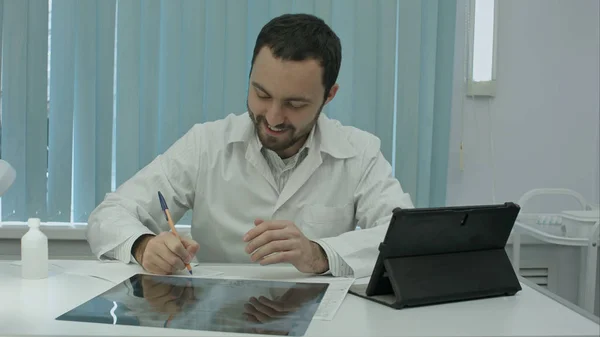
[{"x": 34, "y": 252}]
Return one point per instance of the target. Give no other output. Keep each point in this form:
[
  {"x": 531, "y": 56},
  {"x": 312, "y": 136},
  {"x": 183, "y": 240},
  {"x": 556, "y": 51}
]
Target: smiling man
[{"x": 281, "y": 183}]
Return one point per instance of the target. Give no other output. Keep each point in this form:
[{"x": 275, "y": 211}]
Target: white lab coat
[{"x": 217, "y": 170}]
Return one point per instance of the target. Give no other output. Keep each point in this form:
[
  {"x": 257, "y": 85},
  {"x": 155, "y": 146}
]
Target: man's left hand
[{"x": 281, "y": 241}]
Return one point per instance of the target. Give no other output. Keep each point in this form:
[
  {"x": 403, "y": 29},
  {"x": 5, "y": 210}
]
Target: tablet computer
[{"x": 443, "y": 254}]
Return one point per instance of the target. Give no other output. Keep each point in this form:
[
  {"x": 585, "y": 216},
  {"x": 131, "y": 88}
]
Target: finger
[
  {"x": 171, "y": 307},
  {"x": 191, "y": 246},
  {"x": 174, "y": 261},
  {"x": 166, "y": 260},
  {"x": 258, "y": 222},
  {"x": 280, "y": 257},
  {"x": 265, "y": 309},
  {"x": 264, "y": 226},
  {"x": 175, "y": 245},
  {"x": 158, "y": 251},
  {"x": 250, "y": 318},
  {"x": 152, "y": 262},
  {"x": 160, "y": 267},
  {"x": 266, "y": 237},
  {"x": 270, "y": 248},
  {"x": 261, "y": 317},
  {"x": 278, "y": 306}
]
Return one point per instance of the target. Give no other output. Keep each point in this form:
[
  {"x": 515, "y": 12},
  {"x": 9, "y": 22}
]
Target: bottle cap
[{"x": 33, "y": 223}]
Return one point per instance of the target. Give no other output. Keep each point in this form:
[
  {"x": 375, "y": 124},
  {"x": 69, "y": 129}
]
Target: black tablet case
[{"x": 438, "y": 255}]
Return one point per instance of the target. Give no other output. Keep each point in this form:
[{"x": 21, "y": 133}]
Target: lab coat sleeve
[
  {"x": 377, "y": 194},
  {"x": 134, "y": 209},
  {"x": 123, "y": 251}
]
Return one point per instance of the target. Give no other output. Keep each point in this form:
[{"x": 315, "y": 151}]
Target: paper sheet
[{"x": 331, "y": 302}]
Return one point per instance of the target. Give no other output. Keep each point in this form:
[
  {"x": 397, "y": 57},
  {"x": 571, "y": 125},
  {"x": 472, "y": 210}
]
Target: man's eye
[
  {"x": 297, "y": 105},
  {"x": 262, "y": 96}
]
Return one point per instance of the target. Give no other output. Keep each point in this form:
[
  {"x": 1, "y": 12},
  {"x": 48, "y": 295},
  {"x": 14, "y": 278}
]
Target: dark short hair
[{"x": 298, "y": 37}]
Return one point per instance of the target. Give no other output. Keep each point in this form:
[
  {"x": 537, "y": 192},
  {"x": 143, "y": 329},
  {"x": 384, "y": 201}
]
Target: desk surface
[{"x": 29, "y": 307}]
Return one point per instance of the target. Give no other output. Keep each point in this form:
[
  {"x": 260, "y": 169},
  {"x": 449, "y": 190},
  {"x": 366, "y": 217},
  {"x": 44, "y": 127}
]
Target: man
[{"x": 281, "y": 183}]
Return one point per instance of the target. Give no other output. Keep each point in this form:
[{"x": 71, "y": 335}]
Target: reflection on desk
[{"x": 241, "y": 306}]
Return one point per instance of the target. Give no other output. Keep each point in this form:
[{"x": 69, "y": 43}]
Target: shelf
[{"x": 523, "y": 228}]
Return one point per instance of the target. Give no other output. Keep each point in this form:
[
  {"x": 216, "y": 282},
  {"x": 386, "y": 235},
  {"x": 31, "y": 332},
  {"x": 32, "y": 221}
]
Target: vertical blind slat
[
  {"x": 277, "y": 8},
  {"x": 365, "y": 67},
  {"x": 303, "y": 6},
  {"x": 258, "y": 15},
  {"x": 127, "y": 90},
  {"x": 427, "y": 85},
  {"x": 1, "y": 16},
  {"x": 84, "y": 113},
  {"x": 149, "y": 79},
  {"x": 446, "y": 28},
  {"x": 105, "y": 28},
  {"x": 408, "y": 75},
  {"x": 236, "y": 79},
  {"x": 342, "y": 107},
  {"x": 214, "y": 60},
  {"x": 323, "y": 9},
  {"x": 169, "y": 73},
  {"x": 37, "y": 108},
  {"x": 14, "y": 105},
  {"x": 193, "y": 69},
  {"x": 60, "y": 145},
  {"x": 386, "y": 52}
]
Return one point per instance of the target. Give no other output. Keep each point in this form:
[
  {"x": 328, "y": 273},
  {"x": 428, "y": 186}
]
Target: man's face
[{"x": 285, "y": 99}]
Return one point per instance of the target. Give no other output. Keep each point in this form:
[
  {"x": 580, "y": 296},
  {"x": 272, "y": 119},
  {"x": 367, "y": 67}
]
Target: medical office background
[{"x": 475, "y": 102}]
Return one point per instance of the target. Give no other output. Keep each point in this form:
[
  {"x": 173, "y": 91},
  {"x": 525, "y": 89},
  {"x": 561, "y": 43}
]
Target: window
[
  {"x": 73, "y": 139},
  {"x": 482, "y": 16}
]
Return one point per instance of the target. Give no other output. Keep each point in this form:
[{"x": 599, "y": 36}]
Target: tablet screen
[{"x": 237, "y": 306}]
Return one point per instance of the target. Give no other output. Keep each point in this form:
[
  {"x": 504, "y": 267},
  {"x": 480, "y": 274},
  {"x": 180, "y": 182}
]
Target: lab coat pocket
[{"x": 327, "y": 221}]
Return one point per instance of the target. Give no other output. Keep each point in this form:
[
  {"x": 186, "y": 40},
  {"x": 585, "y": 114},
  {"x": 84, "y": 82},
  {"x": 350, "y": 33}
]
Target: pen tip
[
  {"x": 163, "y": 203},
  {"x": 190, "y": 272}
]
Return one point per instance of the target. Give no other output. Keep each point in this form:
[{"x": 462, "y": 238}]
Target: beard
[{"x": 290, "y": 137}]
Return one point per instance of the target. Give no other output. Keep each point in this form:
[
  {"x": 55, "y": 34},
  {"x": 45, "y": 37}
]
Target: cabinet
[{"x": 555, "y": 268}]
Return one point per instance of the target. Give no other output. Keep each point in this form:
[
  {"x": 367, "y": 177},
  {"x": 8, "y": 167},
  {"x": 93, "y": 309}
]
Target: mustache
[{"x": 262, "y": 119}]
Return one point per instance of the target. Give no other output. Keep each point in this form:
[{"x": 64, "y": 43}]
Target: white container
[
  {"x": 34, "y": 252},
  {"x": 579, "y": 224}
]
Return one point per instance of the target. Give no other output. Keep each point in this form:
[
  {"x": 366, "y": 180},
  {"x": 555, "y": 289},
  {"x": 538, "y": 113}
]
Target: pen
[{"x": 165, "y": 208}]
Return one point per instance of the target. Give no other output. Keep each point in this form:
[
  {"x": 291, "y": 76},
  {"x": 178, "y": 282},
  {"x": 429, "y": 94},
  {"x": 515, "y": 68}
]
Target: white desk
[{"x": 30, "y": 307}]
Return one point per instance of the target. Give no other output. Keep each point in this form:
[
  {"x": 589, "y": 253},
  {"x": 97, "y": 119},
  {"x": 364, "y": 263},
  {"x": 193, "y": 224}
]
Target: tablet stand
[{"x": 448, "y": 277}]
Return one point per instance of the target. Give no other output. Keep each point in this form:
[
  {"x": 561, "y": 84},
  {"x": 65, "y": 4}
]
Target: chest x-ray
[{"x": 240, "y": 306}]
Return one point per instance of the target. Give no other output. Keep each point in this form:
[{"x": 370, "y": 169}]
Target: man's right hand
[{"x": 164, "y": 253}]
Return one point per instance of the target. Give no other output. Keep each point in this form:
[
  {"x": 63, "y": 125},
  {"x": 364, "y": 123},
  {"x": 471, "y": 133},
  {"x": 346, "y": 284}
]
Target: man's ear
[{"x": 332, "y": 93}]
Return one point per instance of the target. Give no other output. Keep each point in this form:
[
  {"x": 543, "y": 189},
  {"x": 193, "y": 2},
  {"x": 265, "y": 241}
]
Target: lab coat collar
[
  {"x": 331, "y": 140},
  {"x": 327, "y": 137}
]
